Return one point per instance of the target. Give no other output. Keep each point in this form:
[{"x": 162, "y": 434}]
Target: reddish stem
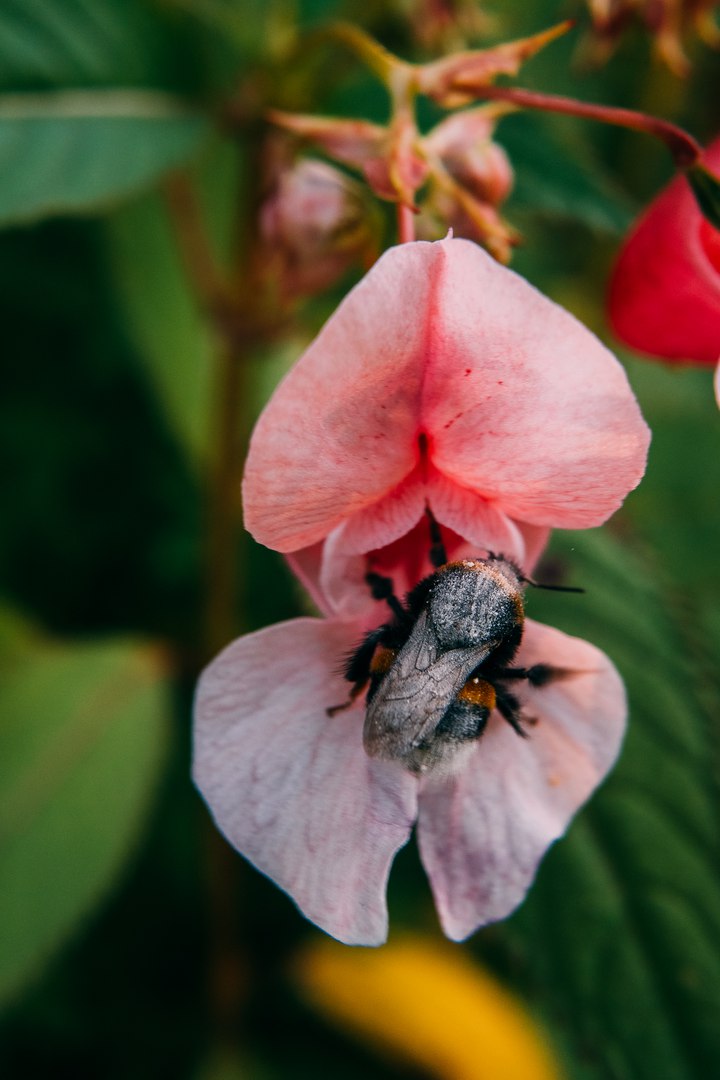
[
  {"x": 406, "y": 224},
  {"x": 684, "y": 149}
]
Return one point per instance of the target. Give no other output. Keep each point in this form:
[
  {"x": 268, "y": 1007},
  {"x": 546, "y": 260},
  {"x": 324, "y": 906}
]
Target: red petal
[{"x": 664, "y": 294}]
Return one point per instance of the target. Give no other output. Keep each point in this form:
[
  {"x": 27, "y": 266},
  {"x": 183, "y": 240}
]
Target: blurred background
[{"x": 135, "y": 278}]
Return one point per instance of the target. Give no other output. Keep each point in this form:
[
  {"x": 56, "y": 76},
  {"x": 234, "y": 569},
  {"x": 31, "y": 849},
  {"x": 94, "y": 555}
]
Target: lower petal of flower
[
  {"x": 293, "y": 789},
  {"x": 484, "y": 830}
]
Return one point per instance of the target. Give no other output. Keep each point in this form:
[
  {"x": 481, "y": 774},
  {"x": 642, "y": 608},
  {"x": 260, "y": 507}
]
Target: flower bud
[
  {"x": 315, "y": 224},
  {"x": 470, "y": 176},
  {"x": 464, "y": 145}
]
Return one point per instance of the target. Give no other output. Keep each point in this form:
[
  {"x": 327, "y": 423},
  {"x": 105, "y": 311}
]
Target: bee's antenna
[{"x": 553, "y": 588}]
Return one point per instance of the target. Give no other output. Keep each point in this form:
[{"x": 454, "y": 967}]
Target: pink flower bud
[
  {"x": 464, "y": 145},
  {"x": 470, "y": 176},
  {"x": 315, "y": 224}
]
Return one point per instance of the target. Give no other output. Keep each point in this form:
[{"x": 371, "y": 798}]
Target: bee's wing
[{"x": 413, "y": 697}]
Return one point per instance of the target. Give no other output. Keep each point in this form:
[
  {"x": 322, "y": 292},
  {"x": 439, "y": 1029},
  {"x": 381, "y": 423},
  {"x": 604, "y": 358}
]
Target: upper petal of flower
[
  {"x": 483, "y": 831},
  {"x": 517, "y": 402},
  {"x": 293, "y": 789},
  {"x": 664, "y": 294},
  {"x": 523, "y": 404}
]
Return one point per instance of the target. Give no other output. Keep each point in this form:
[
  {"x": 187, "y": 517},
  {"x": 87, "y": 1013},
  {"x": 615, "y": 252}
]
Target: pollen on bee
[
  {"x": 383, "y": 659},
  {"x": 477, "y": 691}
]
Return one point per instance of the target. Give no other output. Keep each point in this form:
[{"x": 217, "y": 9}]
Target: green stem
[{"x": 223, "y": 510}]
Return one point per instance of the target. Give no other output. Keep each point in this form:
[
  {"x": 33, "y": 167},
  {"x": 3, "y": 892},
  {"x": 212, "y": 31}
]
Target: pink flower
[
  {"x": 665, "y": 291},
  {"x": 444, "y": 380}
]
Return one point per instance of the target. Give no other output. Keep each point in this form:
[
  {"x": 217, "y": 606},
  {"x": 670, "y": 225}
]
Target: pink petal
[
  {"x": 340, "y": 576},
  {"x": 292, "y": 789},
  {"x": 518, "y": 402},
  {"x": 522, "y": 404},
  {"x": 717, "y": 384},
  {"x": 664, "y": 294},
  {"x": 483, "y": 831},
  {"x": 340, "y": 432},
  {"x": 306, "y": 565},
  {"x": 482, "y": 524}
]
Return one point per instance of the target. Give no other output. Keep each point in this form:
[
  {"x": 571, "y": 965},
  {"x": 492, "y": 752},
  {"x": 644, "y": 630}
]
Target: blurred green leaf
[
  {"x": 162, "y": 318},
  {"x": 561, "y": 177},
  {"x": 175, "y": 340},
  {"x": 82, "y": 744},
  {"x": 76, "y": 151},
  {"x": 621, "y": 933},
  {"x": 78, "y": 42},
  {"x": 676, "y": 506}
]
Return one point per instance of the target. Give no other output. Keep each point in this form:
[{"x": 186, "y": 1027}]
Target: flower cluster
[
  {"x": 467, "y": 176},
  {"x": 443, "y": 381},
  {"x": 667, "y": 20}
]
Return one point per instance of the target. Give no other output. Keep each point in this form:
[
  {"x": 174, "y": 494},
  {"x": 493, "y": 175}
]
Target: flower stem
[
  {"x": 371, "y": 52},
  {"x": 684, "y": 149},
  {"x": 223, "y": 509},
  {"x": 405, "y": 223}
]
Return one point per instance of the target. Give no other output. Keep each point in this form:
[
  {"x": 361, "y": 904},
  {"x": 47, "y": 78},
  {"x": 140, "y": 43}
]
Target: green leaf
[
  {"x": 82, "y": 745},
  {"x": 162, "y": 317},
  {"x": 706, "y": 189},
  {"x": 561, "y": 177},
  {"x": 175, "y": 340},
  {"x": 621, "y": 933},
  {"x": 44, "y": 43},
  {"x": 75, "y": 152}
]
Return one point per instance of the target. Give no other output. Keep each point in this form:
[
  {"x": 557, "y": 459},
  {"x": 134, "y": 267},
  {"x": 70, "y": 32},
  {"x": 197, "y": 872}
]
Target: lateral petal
[
  {"x": 293, "y": 789},
  {"x": 483, "y": 831}
]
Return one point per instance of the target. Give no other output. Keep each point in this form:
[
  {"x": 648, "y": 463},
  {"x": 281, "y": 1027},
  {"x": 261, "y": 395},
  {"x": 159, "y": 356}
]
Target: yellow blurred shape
[{"x": 428, "y": 1003}]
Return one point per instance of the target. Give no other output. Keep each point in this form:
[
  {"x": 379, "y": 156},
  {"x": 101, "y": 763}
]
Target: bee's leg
[
  {"x": 359, "y": 667},
  {"x": 538, "y": 674},
  {"x": 356, "y": 691},
  {"x": 382, "y": 588},
  {"x": 509, "y": 708},
  {"x": 438, "y": 554}
]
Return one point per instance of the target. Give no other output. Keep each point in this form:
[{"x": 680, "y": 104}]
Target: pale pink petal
[
  {"x": 483, "y": 831},
  {"x": 521, "y": 403},
  {"x": 306, "y": 564},
  {"x": 536, "y": 538},
  {"x": 293, "y": 789},
  {"x": 717, "y": 384}
]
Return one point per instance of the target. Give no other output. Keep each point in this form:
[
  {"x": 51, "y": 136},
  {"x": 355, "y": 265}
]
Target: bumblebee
[{"x": 436, "y": 670}]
